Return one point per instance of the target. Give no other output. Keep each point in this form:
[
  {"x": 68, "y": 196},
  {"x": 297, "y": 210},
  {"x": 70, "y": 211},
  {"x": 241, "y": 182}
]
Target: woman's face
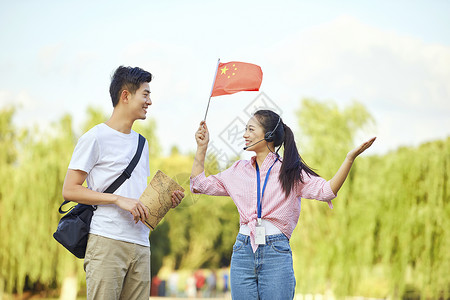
[{"x": 254, "y": 133}]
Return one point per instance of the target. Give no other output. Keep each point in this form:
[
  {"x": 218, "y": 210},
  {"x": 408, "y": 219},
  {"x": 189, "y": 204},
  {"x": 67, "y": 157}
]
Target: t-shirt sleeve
[{"x": 86, "y": 153}]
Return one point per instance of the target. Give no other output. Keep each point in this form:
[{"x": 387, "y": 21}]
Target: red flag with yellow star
[{"x": 233, "y": 77}]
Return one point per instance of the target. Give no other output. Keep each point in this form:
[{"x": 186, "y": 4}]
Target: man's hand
[
  {"x": 135, "y": 207},
  {"x": 177, "y": 196}
]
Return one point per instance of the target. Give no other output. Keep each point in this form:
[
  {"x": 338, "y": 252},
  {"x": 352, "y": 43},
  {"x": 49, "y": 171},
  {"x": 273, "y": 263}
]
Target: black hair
[
  {"x": 127, "y": 78},
  {"x": 292, "y": 165}
]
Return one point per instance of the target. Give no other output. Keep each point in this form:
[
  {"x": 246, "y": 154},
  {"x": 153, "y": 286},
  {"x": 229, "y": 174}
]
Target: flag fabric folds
[{"x": 234, "y": 76}]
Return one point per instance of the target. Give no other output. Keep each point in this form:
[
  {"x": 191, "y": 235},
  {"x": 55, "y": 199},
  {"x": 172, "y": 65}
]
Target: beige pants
[{"x": 116, "y": 269}]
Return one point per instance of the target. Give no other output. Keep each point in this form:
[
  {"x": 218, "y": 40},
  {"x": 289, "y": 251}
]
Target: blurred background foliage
[{"x": 386, "y": 236}]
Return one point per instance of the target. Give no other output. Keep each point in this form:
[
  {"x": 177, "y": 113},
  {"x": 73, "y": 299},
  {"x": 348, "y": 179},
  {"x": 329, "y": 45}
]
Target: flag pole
[{"x": 209, "y": 100}]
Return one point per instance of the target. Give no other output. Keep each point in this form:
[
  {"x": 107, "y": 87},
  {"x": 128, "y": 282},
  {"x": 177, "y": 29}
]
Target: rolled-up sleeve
[
  {"x": 211, "y": 185},
  {"x": 314, "y": 187}
]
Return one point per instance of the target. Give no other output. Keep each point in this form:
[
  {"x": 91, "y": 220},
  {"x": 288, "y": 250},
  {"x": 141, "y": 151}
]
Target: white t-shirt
[{"x": 104, "y": 153}]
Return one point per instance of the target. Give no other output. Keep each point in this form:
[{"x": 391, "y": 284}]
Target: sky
[{"x": 56, "y": 58}]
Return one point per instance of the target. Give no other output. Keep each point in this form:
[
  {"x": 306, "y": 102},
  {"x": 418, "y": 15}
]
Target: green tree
[
  {"x": 326, "y": 134},
  {"x": 199, "y": 228},
  {"x": 94, "y": 117},
  {"x": 386, "y": 234},
  {"x": 8, "y": 156},
  {"x": 29, "y": 203},
  {"x": 33, "y": 164}
]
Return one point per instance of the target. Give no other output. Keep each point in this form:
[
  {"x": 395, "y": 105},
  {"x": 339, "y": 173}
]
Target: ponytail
[{"x": 293, "y": 165}]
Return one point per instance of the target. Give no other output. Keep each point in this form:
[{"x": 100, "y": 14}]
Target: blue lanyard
[{"x": 258, "y": 182}]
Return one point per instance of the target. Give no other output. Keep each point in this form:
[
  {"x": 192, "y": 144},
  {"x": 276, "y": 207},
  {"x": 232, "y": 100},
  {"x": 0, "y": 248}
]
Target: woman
[{"x": 266, "y": 190}]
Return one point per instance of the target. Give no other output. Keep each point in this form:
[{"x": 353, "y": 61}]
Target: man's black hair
[{"x": 127, "y": 78}]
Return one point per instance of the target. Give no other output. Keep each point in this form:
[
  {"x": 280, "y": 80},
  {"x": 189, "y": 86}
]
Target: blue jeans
[{"x": 266, "y": 274}]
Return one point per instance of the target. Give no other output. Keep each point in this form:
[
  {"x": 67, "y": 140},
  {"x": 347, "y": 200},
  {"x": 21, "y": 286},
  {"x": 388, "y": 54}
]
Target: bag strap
[
  {"x": 127, "y": 173},
  {"x": 124, "y": 176}
]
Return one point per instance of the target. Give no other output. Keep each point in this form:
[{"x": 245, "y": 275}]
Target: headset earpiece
[{"x": 270, "y": 135}]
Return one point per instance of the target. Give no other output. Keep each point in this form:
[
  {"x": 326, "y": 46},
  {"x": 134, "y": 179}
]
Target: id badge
[{"x": 260, "y": 235}]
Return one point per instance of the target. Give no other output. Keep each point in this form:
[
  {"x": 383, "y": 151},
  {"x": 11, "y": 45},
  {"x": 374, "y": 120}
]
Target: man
[{"x": 117, "y": 261}]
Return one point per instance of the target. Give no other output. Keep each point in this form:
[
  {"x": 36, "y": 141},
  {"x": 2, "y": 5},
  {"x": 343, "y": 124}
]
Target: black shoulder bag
[{"x": 73, "y": 228}]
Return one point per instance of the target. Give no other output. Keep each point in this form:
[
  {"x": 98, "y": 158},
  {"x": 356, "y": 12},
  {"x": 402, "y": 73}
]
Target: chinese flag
[{"x": 233, "y": 77}]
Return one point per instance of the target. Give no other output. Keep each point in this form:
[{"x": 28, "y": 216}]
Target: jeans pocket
[
  {"x": 281, "y": 246},
  {"x": 237, "y": 245}
]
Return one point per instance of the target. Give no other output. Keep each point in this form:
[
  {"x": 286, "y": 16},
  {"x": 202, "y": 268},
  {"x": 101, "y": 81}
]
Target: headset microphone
[
  {"x": 269, "y": 136},
  {"x": 245, "y": 148}
]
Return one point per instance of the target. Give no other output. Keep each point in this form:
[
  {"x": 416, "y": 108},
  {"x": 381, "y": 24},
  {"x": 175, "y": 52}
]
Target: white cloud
[
  {"x": 5, "y": 98},
  {"x": 48, "y": 57},
  {"x": 403, "y": 81},
  {"x": 28, "y": 112},
  {"x": 21, "y": 100}
]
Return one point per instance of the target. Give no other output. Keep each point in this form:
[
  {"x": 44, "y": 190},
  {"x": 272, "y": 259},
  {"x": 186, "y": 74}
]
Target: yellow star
[{"x": 224, "y": 70}]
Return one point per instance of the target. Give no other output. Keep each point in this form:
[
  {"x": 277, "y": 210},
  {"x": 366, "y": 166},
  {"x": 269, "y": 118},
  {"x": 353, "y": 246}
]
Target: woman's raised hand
[
  {"x": 338, "y": 179},
  {"x": 202, "y": 135},
  {"x": 360, "y": 149}
]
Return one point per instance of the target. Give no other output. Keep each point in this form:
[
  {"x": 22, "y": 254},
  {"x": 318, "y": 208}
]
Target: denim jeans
[{"x": 266, "y": 274}]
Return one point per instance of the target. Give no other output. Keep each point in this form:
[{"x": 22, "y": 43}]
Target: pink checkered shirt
[{"x": 239, "y": 182}]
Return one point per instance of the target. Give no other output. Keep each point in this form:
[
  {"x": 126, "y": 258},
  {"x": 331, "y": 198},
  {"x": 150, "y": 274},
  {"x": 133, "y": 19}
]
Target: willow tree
[
  {"x": 201, "y": 230},
  {"x": 8, "y": 157},
  {"x": 386, "y": 236},
  {"x": 33, "y": 164},
  {"x": 325, "y": 135},
  {"x": 30, "y": 197},
  {"x": 410, "y": 212}
]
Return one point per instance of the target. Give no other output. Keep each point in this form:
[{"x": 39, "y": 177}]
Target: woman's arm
[
  {"x": 213, "y": 184},
  {"x": 202, "y": 139},
  {"x": 338, "y": 179}
]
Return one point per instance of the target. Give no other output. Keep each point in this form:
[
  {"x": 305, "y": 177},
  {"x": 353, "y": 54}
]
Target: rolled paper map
[{"x": 157, "y": 197}]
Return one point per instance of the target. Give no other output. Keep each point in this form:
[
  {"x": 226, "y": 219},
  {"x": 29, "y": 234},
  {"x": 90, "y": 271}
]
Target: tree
[
  {"x": 385, "y": 236},
  {"x": 8, "y": 156},
  {"x": 201, "y": 230},
  {"x": 30, "y": 196}
]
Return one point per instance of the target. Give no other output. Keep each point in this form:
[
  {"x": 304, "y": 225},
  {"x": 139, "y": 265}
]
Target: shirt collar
[{"x": 270, "y": 158}]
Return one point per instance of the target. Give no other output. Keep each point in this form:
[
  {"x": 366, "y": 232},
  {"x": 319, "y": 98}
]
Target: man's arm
[{"x": 73, "y": 190}]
